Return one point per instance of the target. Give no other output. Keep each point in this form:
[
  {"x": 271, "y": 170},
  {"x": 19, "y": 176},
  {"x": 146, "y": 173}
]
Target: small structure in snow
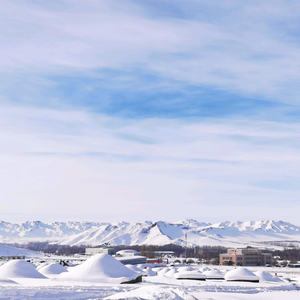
[
  {"x": 101, "y": 268},
  {"x": 241, "y": 274},
  {"x": 19, "y": 269},
  {"x": 190, "y": 275},
  {"x": 132, "y": 260},
  {"x": 127, "y": 252}
]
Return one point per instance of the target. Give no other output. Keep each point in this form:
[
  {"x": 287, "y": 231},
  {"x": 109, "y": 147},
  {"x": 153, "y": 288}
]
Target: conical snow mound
[
  {"x": 52, "y": 269},
  {"x": 213, "y": 274},
  {"x": 264, "y": 276},
  {"x": 241, "y": 274},
  {"x": 101, "y": 268},
  {"x": 19, "y": 269},
  {"x": 190, "y": 275}
]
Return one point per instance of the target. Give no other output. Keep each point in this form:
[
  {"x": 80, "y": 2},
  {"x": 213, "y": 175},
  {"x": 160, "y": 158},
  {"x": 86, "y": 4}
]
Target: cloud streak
[
  {"x": 141, "y": 108},
  {"x": 239, "y": 49},
  {"x": 48, "y": 157}
]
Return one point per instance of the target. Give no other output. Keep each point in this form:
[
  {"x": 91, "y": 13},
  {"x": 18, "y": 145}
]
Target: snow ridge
[{"x": 228, "y": 234}]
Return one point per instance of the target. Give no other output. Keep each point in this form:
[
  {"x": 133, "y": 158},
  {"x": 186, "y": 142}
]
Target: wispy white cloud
[
  {"x": 55, "y": 153},
  {"x": 238, "y": 48},
  {"x": 54, "y": 159}
]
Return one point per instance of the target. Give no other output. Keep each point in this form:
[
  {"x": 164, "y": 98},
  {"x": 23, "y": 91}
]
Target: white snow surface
[
  {"x": 19, "y": 268},
  {"x": 100, "y": 268},
  {"x": 228, "y": 234},
  {"x": 157, "y": 288},
  {"x": 153, "y": 293}
]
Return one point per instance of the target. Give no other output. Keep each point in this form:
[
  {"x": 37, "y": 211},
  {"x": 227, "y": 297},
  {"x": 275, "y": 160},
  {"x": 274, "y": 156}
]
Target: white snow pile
[
  {"x": 19, "y": 269},
  {"x": 241, "y": 274},
  {"x": 52, "y": 269},
  {"x": 134, "y": 268},
  {"x": 213, "y": 274},
  {"x": 157, "y": 269},
  {"x": 41, "y": 265},
  {"x": 153, "y": 293},
  {"x": 171, "y": 273},
  {"x": 185, "y": 269},
  {"x": 163, "y": 271},
  {"x": 100, "y": 268},
  {"x": 203, "y": 269},
  {"x": 191, "y": 275},
  {"x": 149, "y": 272},
  {"x": 267, "y": 277}
]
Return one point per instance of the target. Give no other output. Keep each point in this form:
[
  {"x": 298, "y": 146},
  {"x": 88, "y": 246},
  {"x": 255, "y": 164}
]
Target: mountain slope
[{"x": 228, "y": 234}]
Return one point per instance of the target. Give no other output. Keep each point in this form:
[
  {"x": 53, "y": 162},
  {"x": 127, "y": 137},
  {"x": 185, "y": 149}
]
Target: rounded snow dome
[
  {"x": 190, "y": 275},
  {"x": 101, "y": 268},
  {"x": 52, "y": 269},
  {"x": 163, "y": 271},
  {"x": 19, "y": 269},
  {"x": 241, "y": 274},
  {"x": 134, "y": 268},
  {"x": 149, "y": 272},
  {"x": 213, "y": 274},
  {"x": 185, "y": 269},
  {"x": 264, "y": 276},
  {"x": 171, "y": 273},
  {"x": 204, "y": 269}
]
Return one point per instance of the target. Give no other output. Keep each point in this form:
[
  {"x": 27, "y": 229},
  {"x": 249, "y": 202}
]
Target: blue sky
[{"x": 149, "y": 110}]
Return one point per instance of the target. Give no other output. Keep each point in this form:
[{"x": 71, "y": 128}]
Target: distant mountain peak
[{"x": 227, "y": 233}]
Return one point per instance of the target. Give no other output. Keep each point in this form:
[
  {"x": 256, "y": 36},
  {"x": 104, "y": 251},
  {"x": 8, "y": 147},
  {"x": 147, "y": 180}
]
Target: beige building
[{"x": 245, "y": 257}]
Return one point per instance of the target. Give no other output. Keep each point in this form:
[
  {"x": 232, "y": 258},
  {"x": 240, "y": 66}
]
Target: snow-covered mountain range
[{"x": 227, "y": 234}]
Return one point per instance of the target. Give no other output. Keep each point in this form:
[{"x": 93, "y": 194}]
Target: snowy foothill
[{"x": 227, "y": 234}]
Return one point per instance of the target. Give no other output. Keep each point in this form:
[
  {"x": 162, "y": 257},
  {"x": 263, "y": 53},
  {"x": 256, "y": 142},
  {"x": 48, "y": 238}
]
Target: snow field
[{"x": 100, "y": 278}]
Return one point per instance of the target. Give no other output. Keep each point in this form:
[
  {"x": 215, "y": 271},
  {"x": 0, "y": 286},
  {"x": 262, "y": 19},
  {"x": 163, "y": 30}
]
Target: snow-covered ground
[{"x": 276, "y": 283}]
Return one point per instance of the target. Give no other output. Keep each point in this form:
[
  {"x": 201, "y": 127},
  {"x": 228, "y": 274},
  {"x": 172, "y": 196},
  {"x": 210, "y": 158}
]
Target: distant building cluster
[
  {"x": 233, "y": 257},
  {"x": 245, "y": 257}
]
